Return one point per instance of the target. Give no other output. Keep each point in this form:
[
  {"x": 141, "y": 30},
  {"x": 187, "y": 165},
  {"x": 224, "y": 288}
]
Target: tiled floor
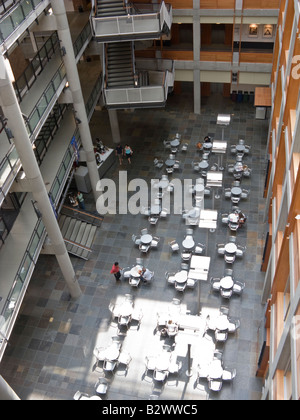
[{"x": 50, "y": 355}]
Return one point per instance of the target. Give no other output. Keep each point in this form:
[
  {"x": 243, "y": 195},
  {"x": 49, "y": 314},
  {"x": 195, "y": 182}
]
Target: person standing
[
  {"x": 115, "y": 270},
  {"x": 80, "y": 200},
  {"x": 119, "y": 152}
]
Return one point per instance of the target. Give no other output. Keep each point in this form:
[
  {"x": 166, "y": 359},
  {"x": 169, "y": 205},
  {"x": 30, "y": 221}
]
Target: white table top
[
  {"x": 230, "y": 247},
  {"x": 199, "y": 187},
  {"x": 196, "y": 274},
  {"x": 134, "y": 272},
  {"x": 219, "y": 146},
  {"x": 126, "y": 309},
  {"x": 175, "y": 142},
  {"x": 215, "y": 369},
  {"x": 198, "y": 261},
  {"x": 233, "y": 217},
  {"x": 207, "y": 145},
  {"x": 163, "y": 361},
  {"x": 240, "y": 147},
  {"x": 155, "y": 209},
  {"x": 203, "y": 164},
  {"x": 146, "y": 239},
  {"x": 226, "y": 282},
  {"x": 236, "y": 190},
  {"x": 170, "y": 162},
  {"x": 188, "y": 242},
  {"x": 112, "y": 352},
  {"x": 163, "y": 183},
  {"x": 214, "y": 176},
  {"x": 181, "y": 276}
]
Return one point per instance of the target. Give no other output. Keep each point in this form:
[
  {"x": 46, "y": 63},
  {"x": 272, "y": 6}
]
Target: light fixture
[{"x": 297, "y": 217}]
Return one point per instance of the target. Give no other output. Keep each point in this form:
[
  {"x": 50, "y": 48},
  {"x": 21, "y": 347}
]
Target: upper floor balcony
[{"x": 119, "y": 20}]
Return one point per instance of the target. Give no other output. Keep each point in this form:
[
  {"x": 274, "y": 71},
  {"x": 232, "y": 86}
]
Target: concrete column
[
  {"x": 66, "y": 43},
  {"x": 12, "y": 112},
  {"x": 114, "y": 125},
  {"x": 6, "y": 392},
  {"x": 196, "y": 50}
]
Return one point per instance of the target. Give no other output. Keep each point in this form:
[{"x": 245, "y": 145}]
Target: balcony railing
[
  {"x": 15, "y": 16},
  {"x": 144, "y": 21}
]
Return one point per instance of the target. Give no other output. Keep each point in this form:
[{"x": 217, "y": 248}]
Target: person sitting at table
[
  {"x": 199, "y": 145},
  {"x": 242, "y": 219},
  {"x": 207, "y": 139},
  {"x": 145, "y": 275},
  {"x": 172, "y": 328}
]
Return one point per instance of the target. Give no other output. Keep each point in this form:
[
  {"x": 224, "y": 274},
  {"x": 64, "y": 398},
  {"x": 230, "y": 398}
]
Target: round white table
[
  {"x": 125, "y": 309},
  {"x": 181, "y": 276},
  {"x": 162, "y": 362},
  {"x": 112, "y": 353},
  {"x": 207, "y": 145},
  {"x": 188, "y": 243},
  {"x": 155, "y": 209},
  {"x": 203, "y": 164},
  {"x": 163, "y": 183},
  {"x": 236, "y": 191},
  {"x": 134, "y": 272},
  {"x": 170, "y": 162},
  {"x": 226, "y": 282},
  {"x": 233, "y": 217},
  {"x": 230, "y": 247},
  {"x": 175, "y": 143},
  {"x": 222, "y": 323},
  {"x": 199, "y": 188},
  {"x": 215, "y": 369},
  {"x": 240, "y": 148},
  {"x": 146, "y": 239}
]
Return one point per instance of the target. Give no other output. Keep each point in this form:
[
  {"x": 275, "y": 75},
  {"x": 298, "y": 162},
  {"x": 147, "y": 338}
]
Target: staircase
[
  {"x": 78, "y": 235},
  {"x": 110, "y": 8},
  {"x": 119, "y": 66}
]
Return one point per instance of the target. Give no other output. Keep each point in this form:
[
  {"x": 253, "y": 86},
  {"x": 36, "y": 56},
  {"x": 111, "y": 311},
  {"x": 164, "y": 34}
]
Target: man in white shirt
[{"x": 146, "y": 275}]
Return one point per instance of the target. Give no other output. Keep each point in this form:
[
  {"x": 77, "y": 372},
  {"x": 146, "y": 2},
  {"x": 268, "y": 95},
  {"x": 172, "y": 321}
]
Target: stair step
[
  {"x": 89, "y": 242},
  {"x": 80, "y": 238},
  {"x": 70, "y": 228},
  {"x": 65, "y": 226}
]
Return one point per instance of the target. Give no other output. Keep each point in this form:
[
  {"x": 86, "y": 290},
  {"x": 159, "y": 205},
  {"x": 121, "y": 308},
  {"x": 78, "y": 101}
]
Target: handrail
[
  {"x": 78, "y": 245},
  {"x": 82, "y": 212}
]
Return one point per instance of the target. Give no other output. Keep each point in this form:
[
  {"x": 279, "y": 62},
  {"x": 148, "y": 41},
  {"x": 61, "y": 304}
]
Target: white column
[
  {"x": 196, "y": 49},
  {"x": 66, "y": 43},
  {"x": 12, "y": 112},
  {"x": 114, "y": 125}
]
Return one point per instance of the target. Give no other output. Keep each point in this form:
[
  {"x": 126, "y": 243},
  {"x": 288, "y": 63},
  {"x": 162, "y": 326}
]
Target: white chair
[
  {"x": 196, "y": 166},
  {"x": 152, "y": 220},
  {"x": 125, "y": 272},
  {"x": 99, "y": 353},
  {"x": 101, "y": 386},
  {"x": 124, "y": 360},
  {"x": 180, "y": 287},
  {"x": 144, "y": 231},
  {"x": 167, "y": 144},
  {"x": 233, "y": 325},
  {"x": 225, "y": 218},
  {"x": 170, "y": 277},
  {"x": 229, "y": 258},
  {"x": 144, "y": 248},
  {"x": 174, "y": 246},
  {"x": 175, "y": 367},
  {"x": 136, "y": 239},
  {"x": 186, "y": 256},
  {"x": 109, "y": 365},
  {"x": 240, "y": 251},
  {"x": 238, "y": 287},
  {"x": 190, "y": 283},
  {"x": 221, "y": 335},
  {"x": 226, "y": 293},
  {"x": 215, "y": 283},
  {"x": 164, "y": 212},
  {"x": 155, "y": 241},
  {"x": 199, "y": 248},
  {"x": 227, "y": 193},
  {"x": 160, "y": 375},
  {"x": 228, "y": 374},
  {"x": 184, "y": 147},
  {"x": 169, "y": 170},
  {"x": 158, "y": 163},
  {"x": 176, "y": 164},
  {"x": 221, "y": 249},
  {"x": 215, "y": 384},
  {"x": 134, "y": 281}
]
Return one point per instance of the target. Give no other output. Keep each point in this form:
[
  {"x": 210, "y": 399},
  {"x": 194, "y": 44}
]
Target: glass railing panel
[
  {"x": 15, "y": 292},
  {"x": 7, "y": 27},
  {"x": 26, "y": 7},
  {"x": 61, "y": 175},
  {"x": 17, "y": 16},
  {"x": 34, "y": 119},
  {"x": 26, "y": 263},
  {"x": 55, "y": 189},
  {"x": 13, "y": 157},
  {"x": 33, "y": 246},
  {"x": 42, "y": 105},
  {"x": 50, "y": 92}
]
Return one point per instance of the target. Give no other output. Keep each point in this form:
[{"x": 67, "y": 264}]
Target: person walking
[
  {"x": 119, "y": 152},
  {"x": 80, "y": 200},
  {"x": 128, "y": 152},
  {"x": 115, "y": 270}
]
